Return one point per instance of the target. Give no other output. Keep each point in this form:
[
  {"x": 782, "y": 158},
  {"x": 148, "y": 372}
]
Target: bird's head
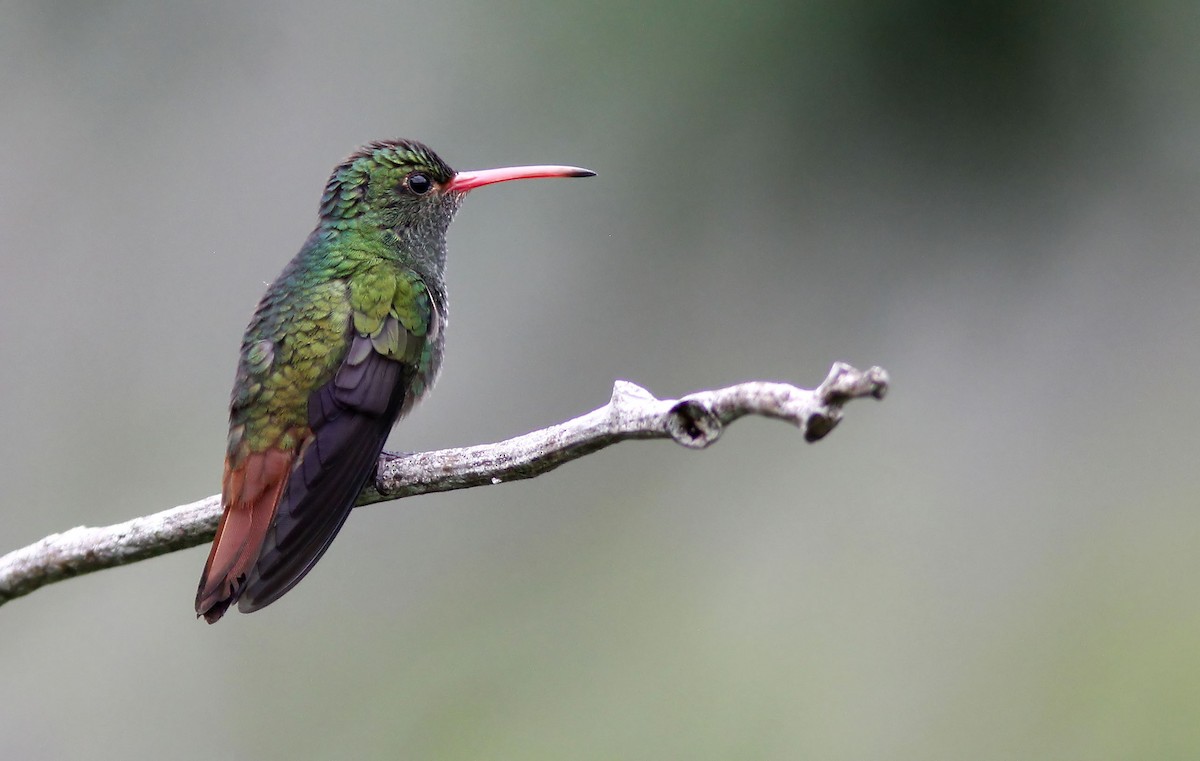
[{"x": 404, "y": 186}]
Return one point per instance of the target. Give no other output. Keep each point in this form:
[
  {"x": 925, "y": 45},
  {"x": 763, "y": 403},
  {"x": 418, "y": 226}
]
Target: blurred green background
[{"x": 997, "y": 201}]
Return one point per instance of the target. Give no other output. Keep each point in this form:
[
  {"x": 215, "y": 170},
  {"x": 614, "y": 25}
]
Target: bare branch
[{"x": 695, "y": 421}]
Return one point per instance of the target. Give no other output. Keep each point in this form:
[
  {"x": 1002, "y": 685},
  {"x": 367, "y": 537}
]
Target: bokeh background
[{"x": 997, "y": 201}]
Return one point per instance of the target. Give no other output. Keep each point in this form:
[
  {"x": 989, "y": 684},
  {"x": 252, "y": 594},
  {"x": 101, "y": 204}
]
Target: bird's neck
[
  {"x": 420, "y": 248},
  {"x": 424, "y": 254}
]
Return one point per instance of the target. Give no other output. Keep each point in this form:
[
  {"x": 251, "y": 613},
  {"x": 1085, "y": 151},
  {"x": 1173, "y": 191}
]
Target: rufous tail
[{"x": 250, "y": 495}]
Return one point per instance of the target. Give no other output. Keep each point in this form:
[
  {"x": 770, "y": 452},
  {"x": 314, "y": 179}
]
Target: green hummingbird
[{"x": 342, "y": 344}]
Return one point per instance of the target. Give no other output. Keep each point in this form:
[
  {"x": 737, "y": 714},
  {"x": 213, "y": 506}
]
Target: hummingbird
[{"x": 342, "y": 345}]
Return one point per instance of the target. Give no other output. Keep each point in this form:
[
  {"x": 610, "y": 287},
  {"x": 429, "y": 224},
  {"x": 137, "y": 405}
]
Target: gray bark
[{"x": 695, "y": 421}]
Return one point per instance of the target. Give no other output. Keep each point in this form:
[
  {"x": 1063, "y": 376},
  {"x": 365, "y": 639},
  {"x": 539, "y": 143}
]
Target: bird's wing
[
  {"x": 349, "y": 416},
  {"x": 285, "y": 504}
]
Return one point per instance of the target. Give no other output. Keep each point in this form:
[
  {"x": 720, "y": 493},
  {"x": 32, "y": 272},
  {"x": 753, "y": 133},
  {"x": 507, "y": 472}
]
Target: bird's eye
[{"x": 418, "y": 183}]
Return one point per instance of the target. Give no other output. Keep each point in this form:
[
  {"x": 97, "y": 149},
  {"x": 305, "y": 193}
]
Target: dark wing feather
[{"x": 350, "y": 417}]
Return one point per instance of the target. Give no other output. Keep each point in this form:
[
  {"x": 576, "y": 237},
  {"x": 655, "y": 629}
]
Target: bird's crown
[{"x": 376, "y": 171}]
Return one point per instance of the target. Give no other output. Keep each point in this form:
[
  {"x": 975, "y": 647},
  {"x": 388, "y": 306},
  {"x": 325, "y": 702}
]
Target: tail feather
[{"x": 251, "y": 495}]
